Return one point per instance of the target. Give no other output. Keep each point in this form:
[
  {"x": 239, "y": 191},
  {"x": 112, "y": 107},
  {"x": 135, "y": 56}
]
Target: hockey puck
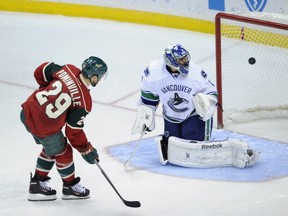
[{"x": 252, "y": 61}]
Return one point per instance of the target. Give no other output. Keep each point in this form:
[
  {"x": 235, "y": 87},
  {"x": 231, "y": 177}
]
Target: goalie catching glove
[
  {"x": 145, "y": 119},
  {"x": 89, "y": 154},
  {"x": 205, "y": 105}
]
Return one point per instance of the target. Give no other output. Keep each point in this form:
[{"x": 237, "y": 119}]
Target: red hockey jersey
[{"x": 62, "y": 99}]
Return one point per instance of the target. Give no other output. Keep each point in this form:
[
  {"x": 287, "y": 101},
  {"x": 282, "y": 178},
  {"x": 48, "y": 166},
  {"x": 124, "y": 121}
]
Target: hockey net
[{"x": 251, "y": 66}]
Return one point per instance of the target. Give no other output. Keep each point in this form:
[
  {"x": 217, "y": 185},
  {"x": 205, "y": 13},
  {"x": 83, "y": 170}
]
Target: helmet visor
[{"x": 102, "y": 77}]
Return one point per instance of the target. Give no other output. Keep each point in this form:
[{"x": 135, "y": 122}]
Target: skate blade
[
  {"x": 41, "y": 197},
  {"x": 71, "y": 197}
]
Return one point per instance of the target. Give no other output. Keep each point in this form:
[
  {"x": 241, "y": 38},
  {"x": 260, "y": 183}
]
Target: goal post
[{"x": 251, "y": 66}]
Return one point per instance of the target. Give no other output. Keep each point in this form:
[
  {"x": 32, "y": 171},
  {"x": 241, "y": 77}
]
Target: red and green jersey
[{"x": 62, "y": 100}]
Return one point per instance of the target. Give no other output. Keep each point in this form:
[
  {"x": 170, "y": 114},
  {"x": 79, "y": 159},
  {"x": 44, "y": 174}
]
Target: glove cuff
[{"x": 87, "y": 149}]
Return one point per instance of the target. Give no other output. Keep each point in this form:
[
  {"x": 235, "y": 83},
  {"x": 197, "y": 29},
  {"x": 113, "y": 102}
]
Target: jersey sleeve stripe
[
  {"x": 149, "y": 99},
  {"x": 149, "y": 102},
  {"x": 44, "y": 71},
  {"x": 149, "y": 96}
]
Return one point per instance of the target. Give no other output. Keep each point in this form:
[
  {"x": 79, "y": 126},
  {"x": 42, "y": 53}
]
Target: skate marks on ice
[{"x": 273, "y": 162}]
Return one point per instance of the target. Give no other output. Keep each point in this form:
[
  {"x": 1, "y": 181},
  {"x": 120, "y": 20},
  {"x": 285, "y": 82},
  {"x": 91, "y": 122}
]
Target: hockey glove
[
  {"x": 145, "y": 120},
  {"x": 205, "y": 105},
  {"x": 90, "y": 154}
]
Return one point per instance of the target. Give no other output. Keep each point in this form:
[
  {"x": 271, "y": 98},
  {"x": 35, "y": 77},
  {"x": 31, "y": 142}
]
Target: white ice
[{"x": 27, "y": 40}]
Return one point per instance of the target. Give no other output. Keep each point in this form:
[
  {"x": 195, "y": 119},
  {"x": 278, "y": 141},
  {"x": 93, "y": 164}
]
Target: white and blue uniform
[{"x": 175, "y": 92}]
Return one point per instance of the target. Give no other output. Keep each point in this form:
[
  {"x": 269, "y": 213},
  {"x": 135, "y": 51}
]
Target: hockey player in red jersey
[{"x": 54, "y": 115}]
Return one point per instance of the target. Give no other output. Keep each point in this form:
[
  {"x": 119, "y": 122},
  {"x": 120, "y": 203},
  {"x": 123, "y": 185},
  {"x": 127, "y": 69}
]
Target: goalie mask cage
[{"x": 251, "y": 66}]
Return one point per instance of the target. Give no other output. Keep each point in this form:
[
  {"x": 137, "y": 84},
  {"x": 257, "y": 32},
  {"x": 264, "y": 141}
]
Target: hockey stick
[
  {"x": 134, "y": 204},
  {"x": 136, "y": 147}
]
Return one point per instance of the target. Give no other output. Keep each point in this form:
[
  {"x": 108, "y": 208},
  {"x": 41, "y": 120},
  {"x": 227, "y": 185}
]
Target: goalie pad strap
[{"x": 197, "y": 154}]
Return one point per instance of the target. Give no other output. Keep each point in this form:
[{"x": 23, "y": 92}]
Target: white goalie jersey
[{"x": 175, "y": 91}]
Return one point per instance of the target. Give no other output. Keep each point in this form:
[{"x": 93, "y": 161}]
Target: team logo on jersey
[
  {"x": 256, "y": 5},
  {"x": 176, "y": 101},
  {"x": 204, "y": 74}
]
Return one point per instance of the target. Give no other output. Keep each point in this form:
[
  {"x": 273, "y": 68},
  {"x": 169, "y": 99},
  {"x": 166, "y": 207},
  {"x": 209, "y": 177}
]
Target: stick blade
[{"x": 133, "y": 204}]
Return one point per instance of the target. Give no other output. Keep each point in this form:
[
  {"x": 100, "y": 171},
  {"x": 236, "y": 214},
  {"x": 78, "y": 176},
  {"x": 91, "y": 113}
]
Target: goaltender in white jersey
[
  {"x": 189, "y": 100},
  {"x": 175, "y": 91}
]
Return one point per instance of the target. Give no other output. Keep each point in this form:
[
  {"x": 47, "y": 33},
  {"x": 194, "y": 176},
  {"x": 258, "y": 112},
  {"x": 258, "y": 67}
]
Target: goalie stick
[
  {"x": 136, "y": 147},
  {"x": 133, "y": 204}
]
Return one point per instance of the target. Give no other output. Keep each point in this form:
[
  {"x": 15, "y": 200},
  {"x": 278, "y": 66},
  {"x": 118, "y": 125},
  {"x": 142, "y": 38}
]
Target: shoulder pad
[{"x": 154, "y": 70}]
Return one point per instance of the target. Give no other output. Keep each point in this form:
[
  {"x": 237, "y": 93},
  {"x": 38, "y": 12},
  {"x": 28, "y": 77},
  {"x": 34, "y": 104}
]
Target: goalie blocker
[
  {"x": 145, "y": 119},
  {"x": 210, "y": 154}
]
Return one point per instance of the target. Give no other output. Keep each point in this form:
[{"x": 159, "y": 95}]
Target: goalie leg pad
[
  {"x": 222, "y": 153},
  {"x": 252, "y": 158}
]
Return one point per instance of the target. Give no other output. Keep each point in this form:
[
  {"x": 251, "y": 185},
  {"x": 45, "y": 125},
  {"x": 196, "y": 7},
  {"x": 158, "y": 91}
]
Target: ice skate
[
  {"x": 39, "y": 189},
  {"x": 74, "y": 190}
]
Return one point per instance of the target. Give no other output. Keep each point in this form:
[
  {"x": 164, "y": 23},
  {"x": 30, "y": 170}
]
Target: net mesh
[{"x": 254, "y": 62}]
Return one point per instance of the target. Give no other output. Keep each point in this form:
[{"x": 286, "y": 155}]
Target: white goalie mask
[{"x": 177, "y": 57}]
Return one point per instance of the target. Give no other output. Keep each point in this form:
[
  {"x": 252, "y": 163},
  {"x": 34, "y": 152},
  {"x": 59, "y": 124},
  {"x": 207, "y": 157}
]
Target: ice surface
[{"x": 27, "y": 40}]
